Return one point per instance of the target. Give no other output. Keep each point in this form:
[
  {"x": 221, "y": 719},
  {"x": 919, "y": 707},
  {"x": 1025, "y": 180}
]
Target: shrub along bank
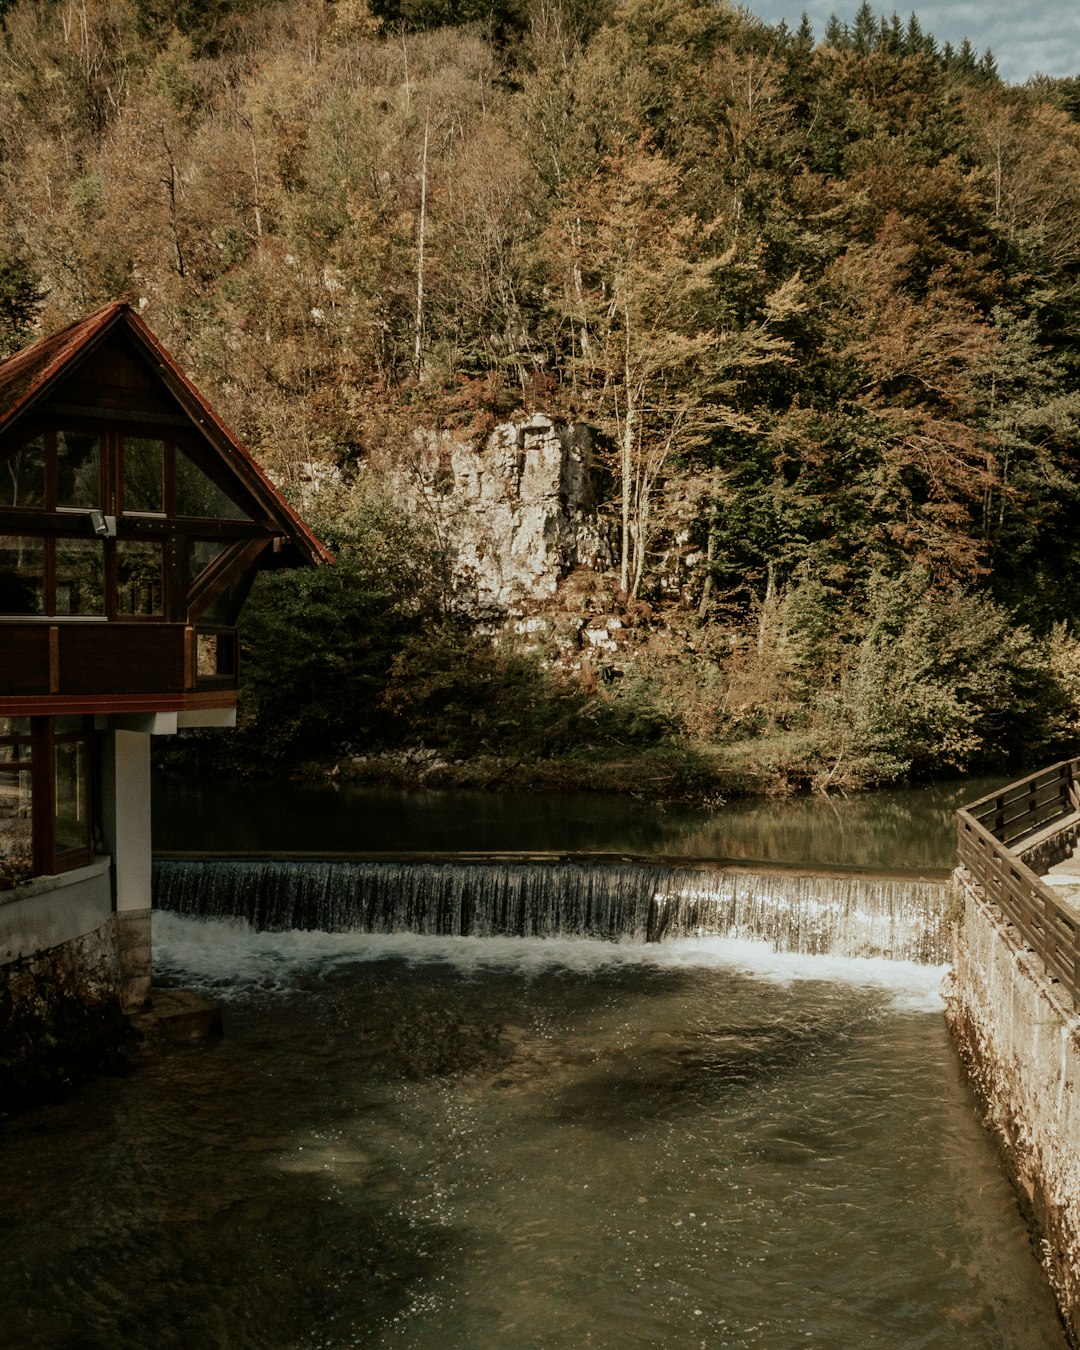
[{"x": 363, "y": 669}]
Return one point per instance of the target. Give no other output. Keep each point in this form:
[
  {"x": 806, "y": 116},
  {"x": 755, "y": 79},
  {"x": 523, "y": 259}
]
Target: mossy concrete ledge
[{"x": 1019, "y": 1038}]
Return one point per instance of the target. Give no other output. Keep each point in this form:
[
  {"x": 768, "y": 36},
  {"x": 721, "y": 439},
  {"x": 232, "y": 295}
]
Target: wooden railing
[{"x": 993, "y": 833}]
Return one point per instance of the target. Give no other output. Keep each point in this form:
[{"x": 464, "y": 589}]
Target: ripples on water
[{"x": 506, "y": 1143}]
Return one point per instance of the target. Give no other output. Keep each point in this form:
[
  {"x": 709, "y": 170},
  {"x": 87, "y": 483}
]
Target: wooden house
[{"x": 132, "y": 524}]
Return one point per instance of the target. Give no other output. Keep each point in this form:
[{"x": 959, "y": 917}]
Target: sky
[{"x": 1033, "y": 37}]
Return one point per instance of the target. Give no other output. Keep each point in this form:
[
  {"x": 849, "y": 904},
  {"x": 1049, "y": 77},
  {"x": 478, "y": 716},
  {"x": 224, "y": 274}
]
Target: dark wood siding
[
  {"x": 121, "y": 659},
  {"x": 24, "y": 659}
]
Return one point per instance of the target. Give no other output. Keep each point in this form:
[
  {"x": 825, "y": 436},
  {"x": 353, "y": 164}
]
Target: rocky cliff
[{"x": 516, "y": 511}]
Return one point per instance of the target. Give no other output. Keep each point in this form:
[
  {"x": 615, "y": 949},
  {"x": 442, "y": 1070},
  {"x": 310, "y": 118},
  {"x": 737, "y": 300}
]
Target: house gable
[{"x": 132, "y": 523}]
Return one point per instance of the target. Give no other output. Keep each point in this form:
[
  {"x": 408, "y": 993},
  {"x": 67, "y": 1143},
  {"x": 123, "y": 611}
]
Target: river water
[
  {"x": 461, "y": 1142},
  {"x": 909, "y": 828}
]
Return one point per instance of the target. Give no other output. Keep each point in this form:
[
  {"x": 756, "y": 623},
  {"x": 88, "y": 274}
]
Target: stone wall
[
  {"x": 61, "y": 1017},
  {"x": 516, "y": 512},
  {"x": 1020, "y": 1042}
]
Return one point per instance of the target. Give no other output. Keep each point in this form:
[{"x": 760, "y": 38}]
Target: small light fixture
[{"x": 103, "y": 526}]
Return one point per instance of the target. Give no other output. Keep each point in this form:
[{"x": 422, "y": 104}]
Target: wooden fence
[{"x": 994, "y": 831}]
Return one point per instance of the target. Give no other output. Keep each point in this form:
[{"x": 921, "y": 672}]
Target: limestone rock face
[{"x": 515, "y": 512}]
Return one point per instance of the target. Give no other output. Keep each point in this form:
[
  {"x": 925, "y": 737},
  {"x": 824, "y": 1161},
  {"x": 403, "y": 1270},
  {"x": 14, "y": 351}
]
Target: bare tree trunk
[
  {"x": 255, "y": 182},
  {"x": 710, "y": 556},
  {"x": 629, "y": 428},
  {"x": 766, "y": 605},
  {"x": 419, "y": 349},
  {"x": 640, "y": 536},
  {"x": 170, "y": 187}
]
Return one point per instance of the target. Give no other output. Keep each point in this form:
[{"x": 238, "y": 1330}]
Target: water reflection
[{"x": 911, "y": 828}]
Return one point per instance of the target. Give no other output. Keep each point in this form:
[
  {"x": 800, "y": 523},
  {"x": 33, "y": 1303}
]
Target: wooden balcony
[{"x": 68, "y": 667}]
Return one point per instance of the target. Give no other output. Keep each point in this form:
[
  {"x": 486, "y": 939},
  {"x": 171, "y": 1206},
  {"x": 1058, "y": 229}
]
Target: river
[{"x": 455, "y": 1142}]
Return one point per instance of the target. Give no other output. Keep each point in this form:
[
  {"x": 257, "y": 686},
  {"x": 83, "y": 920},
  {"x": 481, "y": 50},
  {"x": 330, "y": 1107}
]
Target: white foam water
[{"x": 235, "y": 961}]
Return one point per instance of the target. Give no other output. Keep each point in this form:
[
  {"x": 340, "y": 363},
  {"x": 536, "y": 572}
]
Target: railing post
[{"x": 1076, "y": 957}]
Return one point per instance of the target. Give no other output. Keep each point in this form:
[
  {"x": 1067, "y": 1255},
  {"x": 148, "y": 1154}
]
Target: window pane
[
  {"x": 14, "y": 740},
  {"x": 78, "y": 469},
  {"x": 224, "y": 608},
  {"x": 80, "y": 576},
  {"x": 22, "y": 476},
  {"x": 22, "y": 574},
  {"x": 197, "y": 495},
  {"x": 138, "y": 577},
  {"x": 144, "y": 462},
  {"x": 72, "y": 795},
  {"x": 203, "y": 553},
  {"x": 215, "y": 654},
  {"x": 16, "y": 838}
]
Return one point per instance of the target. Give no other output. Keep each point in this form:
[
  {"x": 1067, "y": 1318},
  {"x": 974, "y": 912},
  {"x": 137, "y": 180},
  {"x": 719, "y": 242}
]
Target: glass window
[
  {"x": 72, "y": 786},
  {"x": 14, "y": 739},
  {"x": 16, "y": 792},
  {"x": 197, "y": 495},
  {"x": 80, "y": 576},
  {"x": 139, "y": 567},
  {"x": 224, "y": 608},
  {"x": 144, "y": 474},
  {"x": 22, "y": 574},
  {"x": 215, "y": 654},
  {"x": 16, "y": 819},
  {"x": 78, "y": 469},
  {"x": 203, "y": 553},
  {"x": 22, "y": 476}
]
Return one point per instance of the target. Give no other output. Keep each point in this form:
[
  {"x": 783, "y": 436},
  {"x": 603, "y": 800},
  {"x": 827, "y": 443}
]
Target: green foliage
[
  {"x": 820, "y": 302},
  {"x": 21, "y": 298},
  {"x": 945, "y": 680},
  {"x": 504, "y": 19},
  {"x": 461, "y": 693},
  {"x": 458, "y": 692},
  {"x": 317, "y": 645},
  {"x": 205, "y": 23}
]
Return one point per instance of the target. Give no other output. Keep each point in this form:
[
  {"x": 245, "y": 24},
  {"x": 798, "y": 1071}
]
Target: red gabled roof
[
  {"x": 31, "y": 374},
  {"x": 27, "y": 374}
]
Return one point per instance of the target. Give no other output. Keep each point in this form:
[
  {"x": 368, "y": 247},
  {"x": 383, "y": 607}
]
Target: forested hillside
[{"x": 817, "y": 295}]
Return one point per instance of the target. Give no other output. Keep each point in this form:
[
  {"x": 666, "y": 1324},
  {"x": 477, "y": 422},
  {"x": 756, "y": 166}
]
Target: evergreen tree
[
  {"x": 864, "y": 33},
  {"x": 836, "y": 34},
  {"x": 21, "y": 297}
]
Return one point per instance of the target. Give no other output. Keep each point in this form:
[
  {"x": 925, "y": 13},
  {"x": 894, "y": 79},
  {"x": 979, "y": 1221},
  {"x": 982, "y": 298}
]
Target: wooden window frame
[
  {"x": 183, "y": 601},
  {"x": 43, "y": 740}
]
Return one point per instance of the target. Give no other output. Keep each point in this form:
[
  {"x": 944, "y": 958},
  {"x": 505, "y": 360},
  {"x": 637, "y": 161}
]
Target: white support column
[{"x": 126, "y": 818}]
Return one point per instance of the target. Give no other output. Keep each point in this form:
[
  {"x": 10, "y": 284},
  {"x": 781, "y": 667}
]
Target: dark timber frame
[
  {"x": 997, "y": 832},
  {"x": 132, "y": 525}
]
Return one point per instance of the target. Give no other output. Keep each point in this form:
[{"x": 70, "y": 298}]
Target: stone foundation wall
[
  {"x": 1020, "y": 1043},
  {"x": 60, "y": 1017}
]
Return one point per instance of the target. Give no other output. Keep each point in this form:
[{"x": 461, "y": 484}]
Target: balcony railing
[{"x": 996, "y": 832}]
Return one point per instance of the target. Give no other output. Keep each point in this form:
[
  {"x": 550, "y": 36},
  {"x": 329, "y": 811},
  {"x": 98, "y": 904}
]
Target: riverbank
[
  {"x": 664, "y": 773},
  {"x": 668, "y": 773}
]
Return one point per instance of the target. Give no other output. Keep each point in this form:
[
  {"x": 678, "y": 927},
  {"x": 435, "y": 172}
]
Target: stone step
[{"x": 177, "y": 1016}]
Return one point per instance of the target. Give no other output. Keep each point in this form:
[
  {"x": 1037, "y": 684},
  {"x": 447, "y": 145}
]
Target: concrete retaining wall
[
  {"x": 54, "y": 910},
  {"x": 1020, "y": 1042}
]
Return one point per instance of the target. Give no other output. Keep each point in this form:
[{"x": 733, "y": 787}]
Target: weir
[{"x": 850, "y": 915}]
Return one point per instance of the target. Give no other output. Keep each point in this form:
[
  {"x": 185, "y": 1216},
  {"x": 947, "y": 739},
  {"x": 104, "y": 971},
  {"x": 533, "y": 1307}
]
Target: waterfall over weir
[{"x": 813, "y": 914}]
